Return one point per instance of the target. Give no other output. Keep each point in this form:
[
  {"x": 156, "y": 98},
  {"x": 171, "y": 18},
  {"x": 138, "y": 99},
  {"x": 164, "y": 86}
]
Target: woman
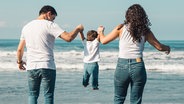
[{"x": 130, "y": 67}]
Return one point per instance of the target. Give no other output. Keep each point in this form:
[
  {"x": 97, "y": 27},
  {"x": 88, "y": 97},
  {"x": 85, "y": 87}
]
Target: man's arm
[
  {"x": 20, "y": 52},
  {"x": 69, "y": 36}
]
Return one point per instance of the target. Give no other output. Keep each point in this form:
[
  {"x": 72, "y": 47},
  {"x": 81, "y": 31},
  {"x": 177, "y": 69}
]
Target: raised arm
[
  {"x": 154, "y": 42},
  {"x": 69, "y": 36},
  {"x": 111, "y": 36},
  {"x": 82, "y": 35},
  {"x": 98, "y": 37}
]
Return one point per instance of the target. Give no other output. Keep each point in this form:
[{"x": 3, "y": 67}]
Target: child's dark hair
[
  {"x": 46, "y": 9},
  {"x": 92, "y": 35}
]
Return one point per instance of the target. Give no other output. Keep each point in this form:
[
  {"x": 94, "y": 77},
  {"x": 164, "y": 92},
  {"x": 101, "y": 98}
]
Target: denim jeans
[
  {"x": 128, "y": 71},
  {"x": 91, "y": 69},
  {"x": 45, "y": 76}
]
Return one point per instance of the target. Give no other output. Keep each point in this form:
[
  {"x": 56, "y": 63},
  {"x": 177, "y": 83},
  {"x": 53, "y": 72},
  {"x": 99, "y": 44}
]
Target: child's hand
[
  {"x": 100, "y": 29},
  {"x": 82, "y": 34}
]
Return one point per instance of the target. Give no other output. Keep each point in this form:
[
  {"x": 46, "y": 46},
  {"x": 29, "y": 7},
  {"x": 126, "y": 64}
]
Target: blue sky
[{"x": 166, "y": 16}]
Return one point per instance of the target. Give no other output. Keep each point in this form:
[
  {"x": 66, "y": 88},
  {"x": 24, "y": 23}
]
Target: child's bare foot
[{"x": 95, "y": 88}]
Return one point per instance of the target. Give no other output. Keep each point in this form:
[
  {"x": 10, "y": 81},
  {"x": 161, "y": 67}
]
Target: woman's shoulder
[{"x": 118, "y": 27}]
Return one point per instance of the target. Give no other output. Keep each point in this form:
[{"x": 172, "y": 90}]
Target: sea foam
[{"x": 73, "y": 61}]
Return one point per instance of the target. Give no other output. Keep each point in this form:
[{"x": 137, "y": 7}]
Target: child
[{"x": 91, "y": 58}]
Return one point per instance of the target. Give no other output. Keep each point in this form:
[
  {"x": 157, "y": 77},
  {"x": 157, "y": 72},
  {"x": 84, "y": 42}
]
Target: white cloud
[{"x": 2, "y": 24}]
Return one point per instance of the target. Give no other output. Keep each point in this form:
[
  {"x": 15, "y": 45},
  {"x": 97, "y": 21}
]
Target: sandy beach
[{"x": 161, "y": 88}]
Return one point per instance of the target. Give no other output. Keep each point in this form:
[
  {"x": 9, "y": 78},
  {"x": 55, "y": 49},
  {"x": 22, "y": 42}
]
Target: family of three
[{"x": 38, "y": 37}]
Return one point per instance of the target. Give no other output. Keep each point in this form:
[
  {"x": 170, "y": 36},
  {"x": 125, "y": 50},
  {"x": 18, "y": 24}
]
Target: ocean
[
  {"x": 68, "y": 56},
  {"x": 164, "y": 84}
]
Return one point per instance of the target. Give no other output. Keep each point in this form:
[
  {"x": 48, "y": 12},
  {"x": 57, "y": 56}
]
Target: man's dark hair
[{"x": 46, "y": 9}]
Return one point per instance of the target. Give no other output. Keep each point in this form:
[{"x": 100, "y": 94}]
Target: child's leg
[
  {"x": 94, "y": 77},
  {"x": 86, "y": 76}
]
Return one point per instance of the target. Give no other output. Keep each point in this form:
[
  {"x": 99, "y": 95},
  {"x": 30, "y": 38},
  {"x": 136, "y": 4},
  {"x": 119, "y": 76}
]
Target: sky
[{"x": 166, "y": 16}]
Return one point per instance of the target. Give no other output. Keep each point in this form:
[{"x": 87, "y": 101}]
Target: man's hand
[
  {"x": 80, "y": 28},
  {"x": 21, "y": 65}
]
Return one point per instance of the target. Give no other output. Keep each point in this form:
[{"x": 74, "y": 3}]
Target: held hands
[
  {"x": 100, "y": 29},
  {"x": 80, "y": 28}
]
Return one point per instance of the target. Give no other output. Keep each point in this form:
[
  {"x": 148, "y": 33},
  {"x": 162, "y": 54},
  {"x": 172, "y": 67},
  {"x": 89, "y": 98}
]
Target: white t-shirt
[
  {"x": 127, "y": 48},
  {"x": 91, "y": 51},
  {"x": 40, "y": 36}
]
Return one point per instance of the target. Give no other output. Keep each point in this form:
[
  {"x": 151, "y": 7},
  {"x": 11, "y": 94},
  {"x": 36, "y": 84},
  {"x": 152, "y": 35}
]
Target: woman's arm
[
  {"x": 154, "y": 42},
  {"x": 111, "y": 36}
]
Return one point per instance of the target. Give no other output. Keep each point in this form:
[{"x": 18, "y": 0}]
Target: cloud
[{"x": 2, "y": 24}]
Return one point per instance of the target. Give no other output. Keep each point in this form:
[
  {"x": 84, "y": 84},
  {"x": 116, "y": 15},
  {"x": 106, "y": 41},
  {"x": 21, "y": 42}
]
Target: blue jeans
[
  {"x": 45, "y": 76},
  {"x": 91, "y": 69},
  {"x": 128, "y": 71}
]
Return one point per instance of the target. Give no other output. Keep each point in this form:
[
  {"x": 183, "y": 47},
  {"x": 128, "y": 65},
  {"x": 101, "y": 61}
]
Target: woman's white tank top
[{"x": 129, "y": 49}]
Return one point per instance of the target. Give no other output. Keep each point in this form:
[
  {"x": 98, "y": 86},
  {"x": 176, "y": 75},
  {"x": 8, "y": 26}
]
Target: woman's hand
[{"x": 100, "y": 29}]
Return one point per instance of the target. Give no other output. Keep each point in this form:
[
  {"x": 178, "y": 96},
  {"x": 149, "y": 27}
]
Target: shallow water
[{"x": 161, "y": 88}]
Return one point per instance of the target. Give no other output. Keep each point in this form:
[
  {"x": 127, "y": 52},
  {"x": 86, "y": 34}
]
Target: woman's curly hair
[{"x": 138, "y": 22}]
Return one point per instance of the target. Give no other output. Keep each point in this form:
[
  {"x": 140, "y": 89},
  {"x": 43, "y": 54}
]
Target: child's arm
[
  {"x": 98, "y": 37},
  {"x": 82, "y": 35}
]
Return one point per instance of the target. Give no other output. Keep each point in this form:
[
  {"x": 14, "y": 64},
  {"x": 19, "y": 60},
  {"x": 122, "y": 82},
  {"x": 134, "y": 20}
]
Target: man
[{"x": 38, "y": 36}]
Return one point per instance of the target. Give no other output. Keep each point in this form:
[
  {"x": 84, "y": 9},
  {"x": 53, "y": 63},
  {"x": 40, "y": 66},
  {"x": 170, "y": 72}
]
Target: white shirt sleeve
[{"x": 55, "y": 30}]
